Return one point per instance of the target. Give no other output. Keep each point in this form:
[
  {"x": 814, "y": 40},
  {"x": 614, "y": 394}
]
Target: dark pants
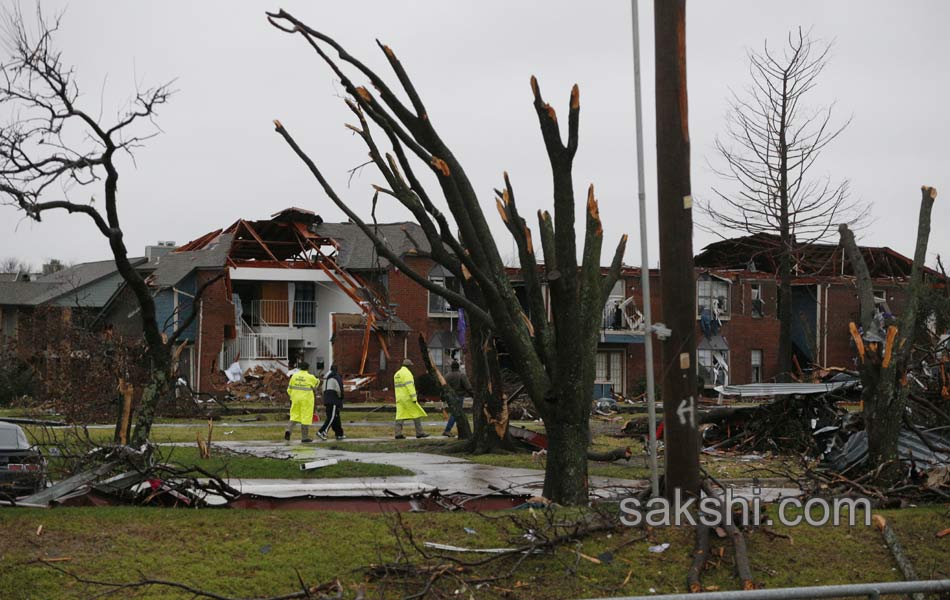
[{"x": 333, "y": 418}]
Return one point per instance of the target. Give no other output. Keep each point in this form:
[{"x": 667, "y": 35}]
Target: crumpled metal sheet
[{"x": 855, "y": 450}]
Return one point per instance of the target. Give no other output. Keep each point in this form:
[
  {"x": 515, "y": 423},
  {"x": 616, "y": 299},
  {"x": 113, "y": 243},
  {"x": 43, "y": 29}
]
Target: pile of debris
[
  {"x": 810, "y": 421},
  {"x": 520, "y": 407},
  {"x": 119, "y": 474},
  {"x": 257, "y": 385},
  {"x": 792, "y": 424}
]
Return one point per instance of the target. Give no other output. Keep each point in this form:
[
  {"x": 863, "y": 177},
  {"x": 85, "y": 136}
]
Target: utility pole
[
  {"x": 677, "y": 277},
  {"x": 644, "y": 258}
]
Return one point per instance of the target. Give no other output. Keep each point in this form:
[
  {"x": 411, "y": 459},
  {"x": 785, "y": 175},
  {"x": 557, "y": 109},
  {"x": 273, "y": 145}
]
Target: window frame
[
  {"x": 439, "y": 276},
  {"x": 712, "y": 280},
  {"x": 756, "y": 370},
  {"x": 756, "y": 293}
]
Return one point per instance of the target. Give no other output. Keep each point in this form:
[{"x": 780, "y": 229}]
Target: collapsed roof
[{"x": 762, "y": 252}]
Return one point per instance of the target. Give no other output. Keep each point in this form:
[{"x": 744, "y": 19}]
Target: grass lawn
[
  {"x": 244, "y": 466},
  {"x": 255, "y": 553}
]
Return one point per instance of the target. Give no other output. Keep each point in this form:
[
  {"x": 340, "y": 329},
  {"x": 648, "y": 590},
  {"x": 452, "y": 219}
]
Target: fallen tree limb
[
  {"x": 611, "y": 456},
  {"x": 897, "y": 551},
  {"x": 741, "y": 552},
  {"x": 315, "y": 592},
  {"x": 700, "y": 555}
]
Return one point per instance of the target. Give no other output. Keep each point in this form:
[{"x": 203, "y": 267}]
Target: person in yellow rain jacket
[
  {"x": 300, "y": 389},
  {"x": 407, "y": 404}
]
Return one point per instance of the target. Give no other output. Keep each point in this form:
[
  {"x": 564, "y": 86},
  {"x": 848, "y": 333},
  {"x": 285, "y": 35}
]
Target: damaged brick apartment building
[{"x": 293, "y": 287}]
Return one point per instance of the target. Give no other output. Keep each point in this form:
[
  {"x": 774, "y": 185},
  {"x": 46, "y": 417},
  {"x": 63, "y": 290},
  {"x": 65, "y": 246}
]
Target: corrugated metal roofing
[
  {"x": 855, "y": 450},
  {"x": 751, "y": 390}
]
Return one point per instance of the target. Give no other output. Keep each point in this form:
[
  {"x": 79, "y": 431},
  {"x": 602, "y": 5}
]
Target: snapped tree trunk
[
  {"x": 884, "y": 366},
  {"x": 489, "y": 406},
  {"x": 450, "y": 400},
  {"x": 157, "y": 391}
]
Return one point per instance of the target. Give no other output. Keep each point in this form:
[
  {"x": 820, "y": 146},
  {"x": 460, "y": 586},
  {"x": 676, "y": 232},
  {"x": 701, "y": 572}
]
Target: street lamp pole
[{"x": 644, "y": 259}]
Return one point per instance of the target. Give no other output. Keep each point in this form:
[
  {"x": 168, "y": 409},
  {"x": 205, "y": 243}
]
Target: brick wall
[
  {"x": 412, "y": 306},
  {"x": 216, "y": 316},
  {"x": 843, "y": 307},
  {"x": 742, "y": 331}
]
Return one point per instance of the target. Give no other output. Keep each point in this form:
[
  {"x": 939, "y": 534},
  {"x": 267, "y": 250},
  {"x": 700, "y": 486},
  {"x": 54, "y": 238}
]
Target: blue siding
[{"x": 165, "y": 307}]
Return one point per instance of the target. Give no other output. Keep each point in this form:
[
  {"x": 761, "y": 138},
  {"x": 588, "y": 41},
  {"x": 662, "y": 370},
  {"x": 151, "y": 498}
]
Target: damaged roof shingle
[
  {"x": 51, "y": 286},
  {"x": 174, "y": 267},
  {"x": 356, "y": 250}
]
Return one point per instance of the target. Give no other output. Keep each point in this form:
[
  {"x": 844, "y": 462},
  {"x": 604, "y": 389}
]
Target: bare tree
[
  {"x": 555, "y": 358},
  {"x": 12, "y": 264},
  {"x": 772, "y": 143},
  {"x": 53, "y": 146},
  {"x": 884, "y": 366}
]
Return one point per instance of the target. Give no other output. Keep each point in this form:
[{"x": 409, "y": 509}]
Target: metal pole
[
  {"x": 823, "y": 591},
  {"x": 644, "y": 258}
]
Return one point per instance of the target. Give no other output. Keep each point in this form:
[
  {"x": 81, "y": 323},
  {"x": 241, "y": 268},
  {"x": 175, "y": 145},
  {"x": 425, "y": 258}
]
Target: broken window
[
  {"x": 713, "y": 366},
  {"x": 437, "y": 304},
  {"x": 756, "y": 366},
  {"x": 712, "y": 294},
  {"x": 758, "y": 304}
]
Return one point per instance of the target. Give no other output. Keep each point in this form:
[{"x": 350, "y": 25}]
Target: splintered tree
[
  {"x": 555, "y": 358},
  {"x": 772, "y": 142},
  {"x": 886, "y": 355},
  {"x": 54, "y": 148}
]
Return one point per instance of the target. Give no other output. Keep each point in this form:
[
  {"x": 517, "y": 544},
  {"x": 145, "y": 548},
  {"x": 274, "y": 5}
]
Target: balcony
[
  {"x": 281, "y": 313},
  {"x": 621, "y": 315}
]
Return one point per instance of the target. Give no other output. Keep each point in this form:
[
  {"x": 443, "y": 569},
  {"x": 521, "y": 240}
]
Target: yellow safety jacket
[
  {"x": 300, "y": 389},
  {"x": 407, "y": 405}
]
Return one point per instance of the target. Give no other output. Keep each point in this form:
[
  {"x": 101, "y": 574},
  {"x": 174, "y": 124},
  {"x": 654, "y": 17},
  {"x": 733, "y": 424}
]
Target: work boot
[
  {"x": 400, "y": 437},
  {"x": 422, "y": 435},
  {"x": 306, "y": 441},
  {"x": 287, "y": 436},
  {"x": 323, "y": 436}
]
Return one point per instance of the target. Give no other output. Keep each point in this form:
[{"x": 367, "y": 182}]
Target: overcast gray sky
[{"x": 219, "y": 159}]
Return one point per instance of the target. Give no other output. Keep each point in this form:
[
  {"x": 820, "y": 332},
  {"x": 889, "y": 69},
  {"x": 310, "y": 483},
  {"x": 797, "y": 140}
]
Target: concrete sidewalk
[{"x": 449, "y": 474}]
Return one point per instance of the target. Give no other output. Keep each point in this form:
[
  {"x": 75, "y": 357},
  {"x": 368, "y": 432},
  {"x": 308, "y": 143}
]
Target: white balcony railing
[
  {"x": 281, "y": 313},
  {"x": 263, "y": 346}
]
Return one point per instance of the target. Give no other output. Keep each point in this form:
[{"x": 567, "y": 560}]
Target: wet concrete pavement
[{"x": 449, "y": 474}]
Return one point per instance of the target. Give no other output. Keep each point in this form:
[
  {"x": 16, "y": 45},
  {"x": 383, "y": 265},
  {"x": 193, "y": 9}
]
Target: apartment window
[
  {"x": 756, "y": 366},
  {"x": 758, "y": 303},
  {"x": 610, "y": 369},
  {"x": 713, "y": 366},
  {"x": 437, "y": 304},
  {"x": 712, "y": 293}
]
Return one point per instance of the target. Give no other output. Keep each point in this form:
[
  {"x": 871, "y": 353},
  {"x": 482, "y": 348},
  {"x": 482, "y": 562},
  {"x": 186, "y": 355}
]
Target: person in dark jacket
[
  {"x": 333, "y": 403},
  {"x": 462, "y": 388}
]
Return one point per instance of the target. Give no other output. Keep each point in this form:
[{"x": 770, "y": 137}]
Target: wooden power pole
[{"x": 677, "y": 279}]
